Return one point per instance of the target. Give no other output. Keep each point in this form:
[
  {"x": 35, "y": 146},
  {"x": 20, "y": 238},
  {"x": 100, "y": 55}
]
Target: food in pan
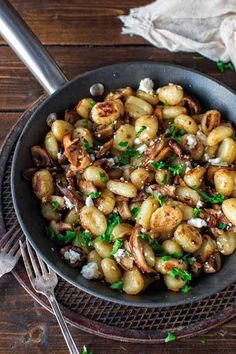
[{"x": 139, "y": 189}]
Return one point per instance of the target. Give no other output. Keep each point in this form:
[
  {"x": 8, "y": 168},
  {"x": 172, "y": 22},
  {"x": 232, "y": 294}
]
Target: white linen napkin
[{"x": 204, "y": 26}]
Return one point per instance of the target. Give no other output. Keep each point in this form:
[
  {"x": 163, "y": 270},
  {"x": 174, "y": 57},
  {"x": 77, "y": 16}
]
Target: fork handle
[{"x": 62, "y": 323}]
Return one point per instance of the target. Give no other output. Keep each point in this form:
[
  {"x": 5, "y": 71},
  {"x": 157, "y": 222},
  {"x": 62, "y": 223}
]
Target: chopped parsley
[
  {"x": 186, "y": 289},
  {"x": 166, "y": 258},
  {"x": 55, "y": 204},
  {"x": 103, "y": 177},
  {"x": 222, "y": 66},
  {"x": 170, "y": 337},
  {"x": 118, "y": 285},
  {"x": 63, "y": 239},
  {"x": 87, "y": 146},
  {"x": 164, "y": 180},
  {"x": 175, "y": 133},
  {"x": 197, "y": 212},
  {"x": 138, "y": 133},
  {"x": 161, "y": 200},
  {"x": 157, "y": 248},
  {"x": 113, "y": 220},
  {"x": 116, "y": 246},
  {"x": 222, "y": 226},
  {"x": 92, "y": 103},
  {"x": 176, "y": 170},
  {"x": 83, "y": 239},
  {"x": 125, "y": 158},
  {"x": 85, "y": 350},
  {"x": 187, "y": 258},
  {"x": 123, "y": 144},
  {"x": 176, "y": 255},
  {"x": 211, "y": 199},
  {"x": 164, "y": 104},
  {"x": 134, "y": 212},
  {"x": 95, "y": 195},
  {"x": 183, "y": 274},
  {"x": 159, "y": 165}
]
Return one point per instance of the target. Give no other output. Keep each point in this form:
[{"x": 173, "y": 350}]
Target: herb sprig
[
  {"x": 125, "y": 158},
  {"x": 211, "y": 199},
  {"x": 222, "y": 66},
  {"x": 183, "y": 274},
  {"x": 118, "y": 285},
  {"x": 139, "y": 132},
  {"x": 175, "y": 133},
  {"x": 113, "y": 220}
]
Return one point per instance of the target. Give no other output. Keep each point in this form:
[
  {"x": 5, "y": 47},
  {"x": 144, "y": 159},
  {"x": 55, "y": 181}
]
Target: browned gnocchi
[{"x": 136, "y": 189}]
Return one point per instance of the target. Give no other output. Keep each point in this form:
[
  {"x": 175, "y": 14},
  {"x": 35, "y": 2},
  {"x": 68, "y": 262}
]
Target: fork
[
  {"x": 9, "y": 250},
  {"x": 44, "y": 281}
]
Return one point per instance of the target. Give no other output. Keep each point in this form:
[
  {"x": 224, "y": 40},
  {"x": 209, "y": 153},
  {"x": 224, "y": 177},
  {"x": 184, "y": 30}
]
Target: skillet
[{"x": 62, "y": 95}]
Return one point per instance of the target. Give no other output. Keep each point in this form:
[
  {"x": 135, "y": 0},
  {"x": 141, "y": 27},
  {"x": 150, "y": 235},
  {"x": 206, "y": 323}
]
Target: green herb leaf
[
  {"x": 85, "y": 350},
  {"x": 87, "y": 146},
  {"x": 123, "y": 143},
  {"x": 138, "y": 133},
  {"x": 116, "y": 246},
  {"x": 158, "y": 165},
  {"x": 183, "y": 274},
  {"x": 170, "y": 337},
  {"x": 163, "y": 104},
  {"x": 125, "y": 158},
  {"x": 166, "y": 258},
  {"x": 197, "y": 212},
  {"x": 176, "y": 255},
  {"x": 222, "y": 66},
  {"x": 211, "y": 199},
  {"x": 222, "y": 226},
  {"x": 113, "y": 220},
  {"x": 175, "y": 133},
  {"x": 63, "y": 239},
  {"x": 157, "y": 248},
  {"x": 164, "y": 180},
  {"x": 134, "y": 212},
  {"x": 161, "y": 200},
  {"x": 92, "y": 103},
  {"x": 176, "y": 170},
  {"x": 86, "y": 239},
  {"x": 55, "y": 204},
  {"x": 118, "y": 285},
  {"x": 103, "y": 177},
  {"x": 95, "y": 195},
  {"x": 187, "y": 258},
  {"x": 186, "y": 289}
]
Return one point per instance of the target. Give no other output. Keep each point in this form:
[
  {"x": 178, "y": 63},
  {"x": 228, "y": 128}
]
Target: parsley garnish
[
  {"x": 186, "y": 289},
  {"x": 85, "y": 350},
  {"x": 63, "y": 239},
  {"x": 103, "y": 177},
  {"x": 55, "y": 204},
  {"x": 113, "y": 220},
  {"x": 92, "y": 103},
  {"x": 134, "y": 212},
  {"x": 95, "y": 195},
  {"x": 166, "y": 258},
  {"x": 118, "y": 285},
  {"x": 160, "y": 198},
  {"x": 222, "y": 226},
  {"x": 158, "y": 165},
  {"x": 222, "y": 66},
  {"x": 138, "y": 133},
  {"x": 176, "y": 255},
  {"x": 116, "y": 246},
  {"x": 175, "y": 133},
  {"x": 157, "y": 248},
  {"x": 164, "y": 180},
  {"x": 83, "y": 239},
  {"x": 183, "y": 274},
  {"x": 87, "y": 146},
  {"x": 197, "y": 212},
  {"x": 170, "y": 337},
  {"x": 186, "y": 258},
  {"x": 123, "y": 143},
  {"x": 176, "y": 170},
  {"x": 125, "y": 158},
  {"x": 212, "y": 199},
  {"x": 164, "y": 104}
]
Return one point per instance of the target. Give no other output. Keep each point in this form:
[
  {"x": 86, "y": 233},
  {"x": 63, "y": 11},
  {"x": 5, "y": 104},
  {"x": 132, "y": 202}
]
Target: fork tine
[
  {"x": 11, "y": 240},
  {"x": 15, "y": 247},
  {"x": 26, "y": 261},
  {"x": 33, "y": 259},
  {"x": 4, "y": 239},
  {"x": 42, "y": 265}
]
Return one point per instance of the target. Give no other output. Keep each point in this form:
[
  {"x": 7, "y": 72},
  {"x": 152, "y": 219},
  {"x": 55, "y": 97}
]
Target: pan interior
[{"x": 209, "y": 92}]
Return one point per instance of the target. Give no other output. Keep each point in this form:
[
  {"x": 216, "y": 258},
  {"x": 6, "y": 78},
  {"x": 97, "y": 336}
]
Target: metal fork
[
  {"x": 44, "y": 280},
  {"x": 9, "y": 249}
]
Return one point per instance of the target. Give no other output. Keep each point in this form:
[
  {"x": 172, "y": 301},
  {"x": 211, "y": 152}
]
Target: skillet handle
[{"x": 29, "y": 49}]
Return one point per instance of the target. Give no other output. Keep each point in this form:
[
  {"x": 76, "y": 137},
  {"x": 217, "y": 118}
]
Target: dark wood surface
[{"x": 81, "y": 35}]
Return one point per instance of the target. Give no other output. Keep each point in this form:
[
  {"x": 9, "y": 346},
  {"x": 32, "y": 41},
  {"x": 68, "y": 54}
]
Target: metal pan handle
[{"x": 29, "y": 49}]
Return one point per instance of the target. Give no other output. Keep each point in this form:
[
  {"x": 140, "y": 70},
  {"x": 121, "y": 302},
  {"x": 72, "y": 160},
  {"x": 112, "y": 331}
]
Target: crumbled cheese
[
  {"x": 116, "y": 159},
  {"x": 206, "y": 157},
  {"x": 99, "y": 135},
  {"x": 119, "y": 254},
  {"x": 217, "y": 162},
  {"x": 202, "y": 137},
  {"x": 89, "y": 201},
  {"x": 122, "y": 179},
  {"x": 199, "y": 204},
  {"x": 59, "y": 155},
  {"x": 152, "y": 143},
  {"x": 142, "y": 148},
  {"x": 149, "y": 190},
  {"x": 90, "y": 271},
  {"x": 191, "y": 141},
  {"x": 146, "y": 85},
  {"x": 137, "y": 141},
  {"x": 197, "y": 222},
  {"x": 143, "y": 230},
  {"x": 68, "y": 203},
  {"x": 110, "y": 161},
  {"x": 72, "y": 256}
]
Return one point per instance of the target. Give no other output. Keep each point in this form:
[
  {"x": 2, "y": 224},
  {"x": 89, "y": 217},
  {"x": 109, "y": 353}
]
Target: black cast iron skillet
[{"x": 65, "y": 94}]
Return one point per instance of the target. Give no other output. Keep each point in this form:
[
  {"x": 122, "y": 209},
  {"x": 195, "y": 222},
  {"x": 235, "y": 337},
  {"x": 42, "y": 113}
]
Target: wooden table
[{"x": 81, "y": 35}]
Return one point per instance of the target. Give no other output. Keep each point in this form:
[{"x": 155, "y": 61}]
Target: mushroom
[
  {"x": 165, "y": 190},
  {"x": 104, "y": 149},
  {"x": 123, "y": 209},
  {"x": 40, "y": 157},
  {"x": 140, "y": 197},
  {"x": 124, "y": 259},
  {"x": 71, "y": 195},
  {"x": 60, "y": 226},
  {"x": 73, "y": 255},
  {"x": 102, "y": 132},
  {"x": 215, "y": 217},
  {"x": 179, "y": 150},
  {"x": 213, "y": 263},
  {"x": 192, "y": 104},
  {"x": 77, "y": 157},
  {"x": 71, "y": 116},
  {"x": 120, "y": 93},
  {"x": 136, "y": 248},
  {"x": 115, "y": 173},
  {"x": 153, "y": 150}
]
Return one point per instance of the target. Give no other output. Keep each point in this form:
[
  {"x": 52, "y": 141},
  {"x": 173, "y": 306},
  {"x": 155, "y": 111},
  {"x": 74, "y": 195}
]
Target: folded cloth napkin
[{"x": 204, "y": 26}]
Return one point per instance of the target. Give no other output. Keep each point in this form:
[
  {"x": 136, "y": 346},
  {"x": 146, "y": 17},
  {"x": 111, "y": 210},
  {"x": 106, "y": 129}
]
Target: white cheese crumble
[
  {"x": 90, "y": 271},
  {"x": 149, "y": 190},
  {"x": 199, "y": 204},
  {"x": 146, "y": 85},
  {"x": 142, "y": 148},
  {"x": 191, "y": 141},
  {"x": 137, "y": 141},
  {"x": 59, "y": 155},
  {"x": 68, "y": 203},
  {"x": 89, "y": 201},
  {"x": 217, "y": 162},
  {"x": 197, "y": 222},
  {"x": 72, "y": 256},
  {"x": 119, "y": 254},
  {"x": 110, "y": 161}
]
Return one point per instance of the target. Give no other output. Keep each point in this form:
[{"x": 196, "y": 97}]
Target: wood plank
[
  {"x": 7, "y": 120},
  {"x": 78, "y": 22},
  {"x": 19, "y": 89},
  {"x": 25, "y": 327}
]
